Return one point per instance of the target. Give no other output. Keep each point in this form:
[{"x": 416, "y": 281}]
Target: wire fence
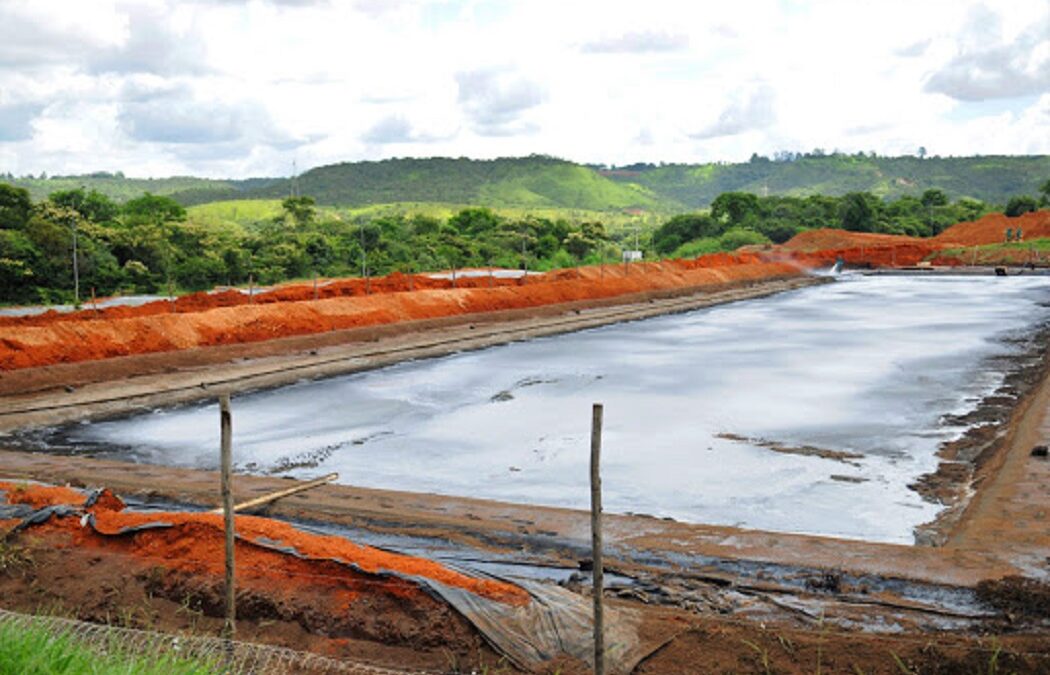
[{"x": 229, "y": 657}]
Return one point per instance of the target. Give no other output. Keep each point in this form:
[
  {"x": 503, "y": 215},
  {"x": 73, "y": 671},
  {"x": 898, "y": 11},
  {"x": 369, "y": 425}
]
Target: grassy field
[{"x": 40, "y": 650}]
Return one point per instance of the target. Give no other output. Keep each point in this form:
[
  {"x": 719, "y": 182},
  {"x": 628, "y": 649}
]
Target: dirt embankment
[
  {"x": 51, "y": 339},
  {"x": 865, "y": 249},
  {"x": 329, "y": 588},
  {"x": 232, "y": 317}
]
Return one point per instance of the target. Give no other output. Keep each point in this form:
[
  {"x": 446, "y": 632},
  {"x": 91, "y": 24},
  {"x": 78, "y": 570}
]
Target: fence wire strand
[{"x": 229, "y": 657}]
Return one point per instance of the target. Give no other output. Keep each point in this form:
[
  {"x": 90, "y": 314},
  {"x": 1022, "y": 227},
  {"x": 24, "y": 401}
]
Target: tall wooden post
[
  {"x": 251, "y": 288},
  {"x": 596, "y": 538},
  {"x": 226, "y": 427}
]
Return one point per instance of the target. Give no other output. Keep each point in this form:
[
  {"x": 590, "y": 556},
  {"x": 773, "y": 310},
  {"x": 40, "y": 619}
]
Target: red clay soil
[
  {"x": 823, "y": 239},
  {"x": 194, "y": 544},
  {"x": 51, "y": 339},
  {"x": 40, "y": 496},
  {"x": 991, "y": 229}
]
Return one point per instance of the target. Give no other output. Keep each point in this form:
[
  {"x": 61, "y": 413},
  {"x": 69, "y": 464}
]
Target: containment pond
[{"x": 810, "y": 411}]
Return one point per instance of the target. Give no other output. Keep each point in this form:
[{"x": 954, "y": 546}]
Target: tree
[
  {"x": 1019, "y": 205},
  {"x": 93, "y": 206},
  {"x": 734, "y": 207},
  {"x": 15, "y": 207},
  {"x": 685, "y": 228},
  {"x": 1044, "y": 189},
  {"x": 922, "y": 152},
  {"x": 934, "y": 197},
  {"x": 155, "y": 209},
  {"x": 302, "y": 210},
  {"x": 858, "y": 211}
]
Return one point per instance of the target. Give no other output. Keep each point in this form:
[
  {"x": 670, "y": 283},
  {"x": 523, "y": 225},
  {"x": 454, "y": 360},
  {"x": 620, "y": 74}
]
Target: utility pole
[
  {"x": 76, "y": 265},
  {"x": 364, "y": 255},
  {"x": 524, "y": 257}
]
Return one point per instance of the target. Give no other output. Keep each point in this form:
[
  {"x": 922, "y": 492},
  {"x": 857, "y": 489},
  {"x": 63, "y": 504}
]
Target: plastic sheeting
[{"x": 555, "y": 621}]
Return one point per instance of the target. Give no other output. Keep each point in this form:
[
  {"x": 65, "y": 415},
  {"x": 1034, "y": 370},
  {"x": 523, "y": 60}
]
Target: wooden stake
[
  {"x": 596, "y": 538},
  {"x": 315, "y": 285},
  {"x": 274, "y": 496},
  {"x": 226, "y": 428},
  {"x": 94, "y": 302},
  {"x": 251, "y": 288}
]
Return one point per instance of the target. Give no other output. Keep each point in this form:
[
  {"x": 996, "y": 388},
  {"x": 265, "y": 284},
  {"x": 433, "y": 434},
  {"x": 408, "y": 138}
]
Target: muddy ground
[{"x": 732, "y": 601}]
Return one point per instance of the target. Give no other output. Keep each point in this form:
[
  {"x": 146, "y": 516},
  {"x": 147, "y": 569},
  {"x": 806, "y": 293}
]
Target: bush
[
  {"x": 737, "y": 237},
  {"x": 1020, "y": 205}
]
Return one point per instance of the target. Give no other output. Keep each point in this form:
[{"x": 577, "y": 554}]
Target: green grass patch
[
  {"x": 39, "y": 649},
  {"x": 1041, "y": 245}
]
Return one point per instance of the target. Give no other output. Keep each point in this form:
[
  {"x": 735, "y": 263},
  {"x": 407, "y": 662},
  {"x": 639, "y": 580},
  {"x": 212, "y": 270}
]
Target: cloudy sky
[{"x": 245, "y": 87}]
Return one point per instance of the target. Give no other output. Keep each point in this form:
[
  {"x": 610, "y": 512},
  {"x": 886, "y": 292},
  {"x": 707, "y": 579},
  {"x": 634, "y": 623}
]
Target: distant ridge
[{"x": 540, "y": 181}]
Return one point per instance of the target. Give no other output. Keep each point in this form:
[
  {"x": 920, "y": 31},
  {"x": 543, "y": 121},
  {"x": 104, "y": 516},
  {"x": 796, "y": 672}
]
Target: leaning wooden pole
[
  {"x": 226, "y": 427},
  {"x": 596, "y": 537},
  {"x": 280, "y": 494}
]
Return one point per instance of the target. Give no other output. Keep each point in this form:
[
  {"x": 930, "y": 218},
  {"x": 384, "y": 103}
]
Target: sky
[{"x": 238, "y": 88}]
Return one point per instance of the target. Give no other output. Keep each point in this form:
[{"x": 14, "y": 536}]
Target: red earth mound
[
  {"x": 84, "y": 336},
  {"x": 833, "y": 239},
  {"x": 991, "y": 229},
  {"x": 194, "y": 543}
]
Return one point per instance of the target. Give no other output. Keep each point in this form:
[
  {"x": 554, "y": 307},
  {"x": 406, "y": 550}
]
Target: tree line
[
  {"x": 149, "y": 245},
  {"x": 739, "y": 218}
]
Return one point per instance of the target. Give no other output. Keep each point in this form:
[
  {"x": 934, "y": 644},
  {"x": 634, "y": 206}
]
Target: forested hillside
[
  {"x": 989, "y": 179},
  {"x": 545, "y": 182}
]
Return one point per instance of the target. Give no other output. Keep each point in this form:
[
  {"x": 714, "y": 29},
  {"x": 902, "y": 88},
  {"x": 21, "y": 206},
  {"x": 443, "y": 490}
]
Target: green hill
[
  {"x": 992, "y": 179},
  {"x": 527, "y": 181},
  {"x": 539, "y": 182},
  {"x": 121, "y": 188}
]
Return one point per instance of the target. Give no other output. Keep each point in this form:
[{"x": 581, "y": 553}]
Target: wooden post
[
  {"x": 315, "y": 285},
  {"x": 226, "y": 427},
  {"x": 251, "y": 288},
  {"x": 596, "y": 538},
  {"x": 94, "y": 302}
]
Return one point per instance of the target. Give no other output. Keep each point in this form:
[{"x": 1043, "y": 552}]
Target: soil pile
[
  {"x": 193, "y": 543},
  {"x": 832, "y": 239},
  {"x": 991, "y": 229},
  {"x": 46, "y": 340}
]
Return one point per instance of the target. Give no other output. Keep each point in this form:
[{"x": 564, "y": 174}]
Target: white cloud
[
  {"x": 638, "y": 42},
  {"x": 239, "y": 87}
]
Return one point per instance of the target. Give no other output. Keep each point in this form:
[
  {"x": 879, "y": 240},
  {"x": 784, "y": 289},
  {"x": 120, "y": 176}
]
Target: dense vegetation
[
  {"x": 528, "y": 181},
  {"x": 547, "y": 182},
  {"x": 148, "y": 245},
  {"x": 121, "y": 188},
  {"x": 738, "y": 218},
  {"x": 988, "y": 178}
]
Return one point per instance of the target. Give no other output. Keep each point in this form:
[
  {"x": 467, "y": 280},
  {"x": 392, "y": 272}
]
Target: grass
[
  {"x": 38, "y": 649},
  {"x": 1041, "y": 245}
]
